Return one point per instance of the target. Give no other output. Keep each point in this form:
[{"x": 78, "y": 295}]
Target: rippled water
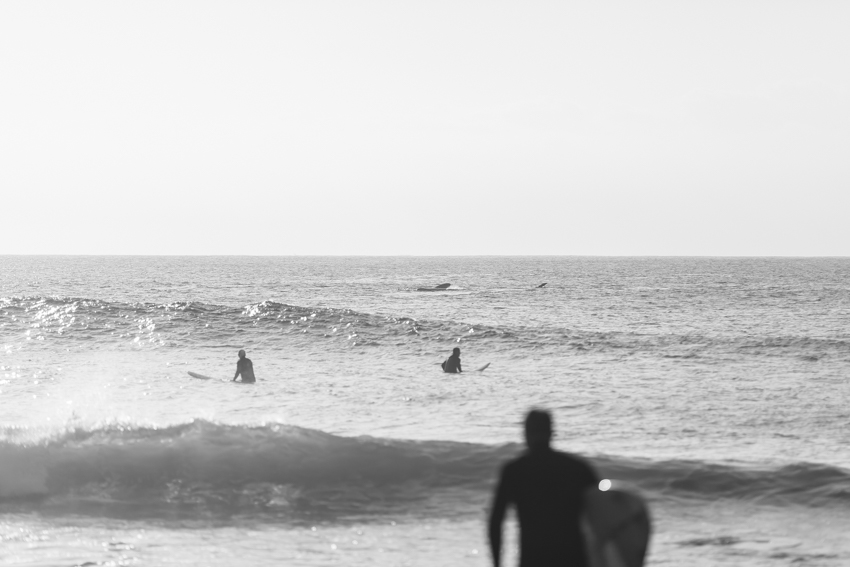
[{"x": 717, "y": 386}]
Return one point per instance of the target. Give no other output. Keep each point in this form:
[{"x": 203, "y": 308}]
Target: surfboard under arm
[{"x": 617, "y": 527}]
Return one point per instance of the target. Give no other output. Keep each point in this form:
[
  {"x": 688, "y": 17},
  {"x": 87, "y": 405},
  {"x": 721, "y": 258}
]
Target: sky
[{"x": 425, "y": 128}]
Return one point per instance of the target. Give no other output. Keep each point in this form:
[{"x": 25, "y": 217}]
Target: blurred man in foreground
[{"x": 547, "y": 487}]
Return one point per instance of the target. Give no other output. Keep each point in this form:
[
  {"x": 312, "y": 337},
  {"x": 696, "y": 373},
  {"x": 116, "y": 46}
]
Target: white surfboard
[
  {"x": 616, "y": 525},
  {"x": 200, "y": 376},
  {"x": 482, "y": 369}
]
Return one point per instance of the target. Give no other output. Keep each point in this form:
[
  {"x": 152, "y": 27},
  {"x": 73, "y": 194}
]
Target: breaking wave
[{"x": 293, "y": 474}]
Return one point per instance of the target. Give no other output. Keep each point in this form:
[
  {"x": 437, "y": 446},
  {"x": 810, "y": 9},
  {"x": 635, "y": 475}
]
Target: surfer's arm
[
  {"x": 459, "y": 370},
  {"x": 235, "y": 376},
  {"x": 497, "y": 516}
]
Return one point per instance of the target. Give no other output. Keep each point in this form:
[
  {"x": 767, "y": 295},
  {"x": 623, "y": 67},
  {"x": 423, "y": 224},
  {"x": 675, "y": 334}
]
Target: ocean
[{"x": 717, "y": 387}]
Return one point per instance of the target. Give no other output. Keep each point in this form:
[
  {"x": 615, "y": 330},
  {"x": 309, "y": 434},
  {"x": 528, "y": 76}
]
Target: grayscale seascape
[
  {"x": 429, "y": 230},
  {"x": 717, "y": 386}
]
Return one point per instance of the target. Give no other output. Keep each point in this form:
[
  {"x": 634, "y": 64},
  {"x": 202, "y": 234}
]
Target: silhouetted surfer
[
  {"x": 244, "y": 367},
  {"x": 452, "y": 363},
  {"x": 546, "y": 486}
]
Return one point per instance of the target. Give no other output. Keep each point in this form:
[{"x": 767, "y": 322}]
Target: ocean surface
[{"x": 718, "y": 387}]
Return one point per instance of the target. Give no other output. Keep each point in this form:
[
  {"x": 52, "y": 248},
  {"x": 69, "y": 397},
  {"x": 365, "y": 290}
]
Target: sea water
[{"x": 718, "y": 387}]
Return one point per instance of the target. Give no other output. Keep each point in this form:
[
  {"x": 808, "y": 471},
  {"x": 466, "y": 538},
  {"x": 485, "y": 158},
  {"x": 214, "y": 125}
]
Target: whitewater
[{"x": 717, "y": 387}]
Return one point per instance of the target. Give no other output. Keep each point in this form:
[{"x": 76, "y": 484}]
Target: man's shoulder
[
  {"x": 515, "y": 464},
  {"x": 571, "y": 457},
  {"x": 558, "y": 459},
  {"x": 573, "y": 460}
]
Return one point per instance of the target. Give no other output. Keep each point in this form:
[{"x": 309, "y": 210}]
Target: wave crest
[
  {"x": 81, "y": 321},
  {"x": 291, "y": 471}
]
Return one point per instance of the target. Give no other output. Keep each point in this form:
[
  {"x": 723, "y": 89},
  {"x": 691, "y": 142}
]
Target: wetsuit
[
  {"x": 452, "y": 365},
  {"x": 246, "y": 368},
  {"x": 546, "y": 487}
]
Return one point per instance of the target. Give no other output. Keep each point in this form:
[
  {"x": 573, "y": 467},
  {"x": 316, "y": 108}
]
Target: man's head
[
  {"x": 241, "y": 354},
  {"x": 538, "y": 429},
  {"x": 456, "y": 351}
]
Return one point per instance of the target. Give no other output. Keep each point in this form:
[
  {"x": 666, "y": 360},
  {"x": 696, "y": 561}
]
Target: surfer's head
[
  {"x": 241, "y": 354},
  {"x": 538, "y": 429},
  {"x": 456, "y": 351}
]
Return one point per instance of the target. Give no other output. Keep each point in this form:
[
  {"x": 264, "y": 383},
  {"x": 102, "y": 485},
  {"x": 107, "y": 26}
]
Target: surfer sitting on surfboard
[
  {"x": 452, "y": 363},
  {"x": 547, "y": 488},
  {"x": 244, "y": 367}
]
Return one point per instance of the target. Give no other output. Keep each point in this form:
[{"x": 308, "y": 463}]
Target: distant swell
[
  {"x": 292, "y": 473},
  {"x": 85, "y": 323}
]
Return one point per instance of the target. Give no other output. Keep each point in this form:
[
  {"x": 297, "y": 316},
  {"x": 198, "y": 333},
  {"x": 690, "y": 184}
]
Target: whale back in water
[{"x": 441, "y": 287}]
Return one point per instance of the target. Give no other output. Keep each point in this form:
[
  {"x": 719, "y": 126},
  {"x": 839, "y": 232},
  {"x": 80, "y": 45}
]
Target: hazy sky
[{"x": 401, "y": 127}]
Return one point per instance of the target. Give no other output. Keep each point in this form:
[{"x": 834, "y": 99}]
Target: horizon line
[{"x": 48, "y": 255}]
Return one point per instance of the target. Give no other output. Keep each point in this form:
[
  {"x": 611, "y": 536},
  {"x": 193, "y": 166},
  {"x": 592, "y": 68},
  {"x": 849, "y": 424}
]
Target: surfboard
[
  {"x": 482, "y": 369},
  {"x": 616, "y": 525},
  {"x": 200, "y": 376}
]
